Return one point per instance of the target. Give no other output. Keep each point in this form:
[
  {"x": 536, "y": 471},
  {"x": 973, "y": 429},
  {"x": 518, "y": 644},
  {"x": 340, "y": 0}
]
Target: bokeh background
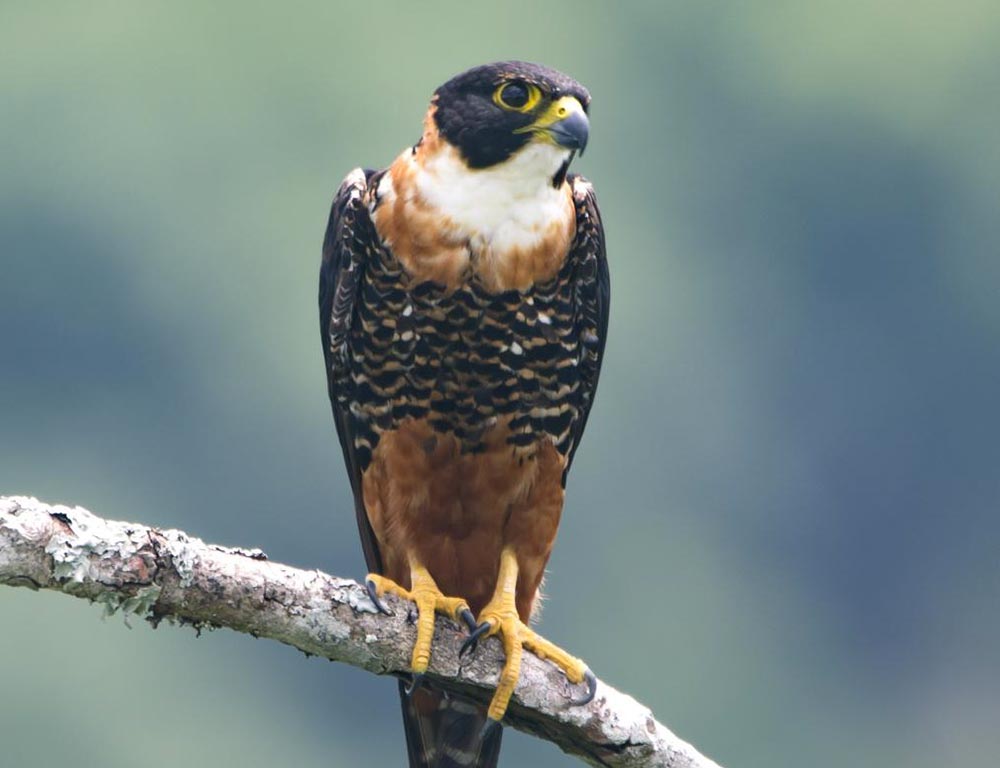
[{"x": 781, "y": 530}]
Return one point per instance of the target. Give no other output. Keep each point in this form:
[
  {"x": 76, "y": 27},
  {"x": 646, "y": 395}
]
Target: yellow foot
[
  {"x": 428, "y": 599},
  {"x": 500, "y": 617}
]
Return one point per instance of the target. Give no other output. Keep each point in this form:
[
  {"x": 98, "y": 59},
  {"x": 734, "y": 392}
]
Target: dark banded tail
[{"x": 444, "y": 731}]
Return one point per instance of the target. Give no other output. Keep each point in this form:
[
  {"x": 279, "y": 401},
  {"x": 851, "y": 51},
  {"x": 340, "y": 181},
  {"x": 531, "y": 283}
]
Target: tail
[{"x": 443, "y": 731}]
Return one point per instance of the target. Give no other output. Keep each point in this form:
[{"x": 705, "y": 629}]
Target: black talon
[
  {"x": 412, "y": 615},
  {"x": 470, "y": 620},
  {"x": 473, "y": 639},
  {"x": 415, "y": 682},
  {"x": 490, "y": 727},
  {"x": 591, "y": 681},
  {"x": 373, "y": 596}
]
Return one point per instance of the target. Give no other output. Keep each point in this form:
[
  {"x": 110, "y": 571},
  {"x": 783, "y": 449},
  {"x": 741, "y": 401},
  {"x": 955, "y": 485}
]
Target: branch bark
[{"x": 169, "y": 575}]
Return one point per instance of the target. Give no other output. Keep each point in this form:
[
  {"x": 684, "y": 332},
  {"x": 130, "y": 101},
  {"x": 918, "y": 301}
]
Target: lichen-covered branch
[{"x": 169, "y": 575}]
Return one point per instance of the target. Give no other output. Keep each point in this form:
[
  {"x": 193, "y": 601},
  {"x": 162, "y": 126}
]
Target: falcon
[{"x": 463, "y": 309}]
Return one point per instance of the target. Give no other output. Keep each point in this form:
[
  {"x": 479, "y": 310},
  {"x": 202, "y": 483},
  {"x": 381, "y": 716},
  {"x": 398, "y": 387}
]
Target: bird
[{"x": 464, "y": 297}]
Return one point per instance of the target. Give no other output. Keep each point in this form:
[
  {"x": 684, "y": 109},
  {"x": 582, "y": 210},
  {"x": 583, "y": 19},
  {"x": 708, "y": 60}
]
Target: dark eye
[
  {"x": 514, "y": 95},
  {"x": 517, "y": 96}
]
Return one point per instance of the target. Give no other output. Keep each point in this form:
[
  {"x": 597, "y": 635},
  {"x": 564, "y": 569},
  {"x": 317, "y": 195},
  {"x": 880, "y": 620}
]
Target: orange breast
[{"x": 455, "y": 512}]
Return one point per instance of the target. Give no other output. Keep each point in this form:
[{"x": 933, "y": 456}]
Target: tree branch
[{"x": 167, "y": 574}]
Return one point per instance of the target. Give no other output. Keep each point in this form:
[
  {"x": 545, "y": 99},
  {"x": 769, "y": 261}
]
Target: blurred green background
[{"x": 781, "y": 530}]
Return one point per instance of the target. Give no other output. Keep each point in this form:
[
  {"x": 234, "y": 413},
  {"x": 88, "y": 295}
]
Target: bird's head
[{"x": 492, "y": 112}]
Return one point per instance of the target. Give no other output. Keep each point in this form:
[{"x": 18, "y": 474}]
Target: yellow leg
[
  {"x": 501, "y": 616},
  {"x": 429, "y": 599}
]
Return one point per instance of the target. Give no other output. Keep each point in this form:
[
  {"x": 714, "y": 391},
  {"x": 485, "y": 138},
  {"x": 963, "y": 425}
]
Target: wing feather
[
  {"x": 348, "y": 241},
  {"x": 592, "y": 295}
]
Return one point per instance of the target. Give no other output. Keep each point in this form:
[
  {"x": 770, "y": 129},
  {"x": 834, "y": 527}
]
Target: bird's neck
[{"x": 507, "y": 224}]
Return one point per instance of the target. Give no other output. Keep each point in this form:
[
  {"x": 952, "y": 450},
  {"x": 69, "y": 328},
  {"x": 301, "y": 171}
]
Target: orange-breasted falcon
[{"x": 463, "y": 308}]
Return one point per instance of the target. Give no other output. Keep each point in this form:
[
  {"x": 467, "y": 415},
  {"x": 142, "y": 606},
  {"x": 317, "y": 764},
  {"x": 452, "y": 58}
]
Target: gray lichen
[
  {"x": 184, "y": 551},
  {"x": 170, "y": 575},
  {"x": 346, "y": 591},
  {"x": 88, "y": 540},
  {"x": 140, "y": 604}
]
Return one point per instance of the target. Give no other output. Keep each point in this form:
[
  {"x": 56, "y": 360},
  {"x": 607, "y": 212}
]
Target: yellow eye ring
[{"x": 517, "y": 96}]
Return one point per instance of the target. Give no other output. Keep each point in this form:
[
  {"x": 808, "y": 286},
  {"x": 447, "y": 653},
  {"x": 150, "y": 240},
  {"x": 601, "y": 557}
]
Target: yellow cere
[{"x": 558, "y": 110}]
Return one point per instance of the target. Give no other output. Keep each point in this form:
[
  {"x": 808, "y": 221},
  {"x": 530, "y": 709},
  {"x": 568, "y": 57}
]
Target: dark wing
[
  {"x": 592, "y": 297},
  {"x": 349, "y": 235}
]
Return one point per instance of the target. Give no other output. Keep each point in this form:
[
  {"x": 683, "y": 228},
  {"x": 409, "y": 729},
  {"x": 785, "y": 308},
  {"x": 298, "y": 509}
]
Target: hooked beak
[
  {"x": 571, "y": 132},
  {"x": 564, "y": 124}
]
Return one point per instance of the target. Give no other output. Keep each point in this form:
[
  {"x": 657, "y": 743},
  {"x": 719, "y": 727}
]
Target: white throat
[{"x": 509, "y": 205}]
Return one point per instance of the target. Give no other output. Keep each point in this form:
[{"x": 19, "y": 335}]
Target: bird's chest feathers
[{"x": 505, "y": 226}]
